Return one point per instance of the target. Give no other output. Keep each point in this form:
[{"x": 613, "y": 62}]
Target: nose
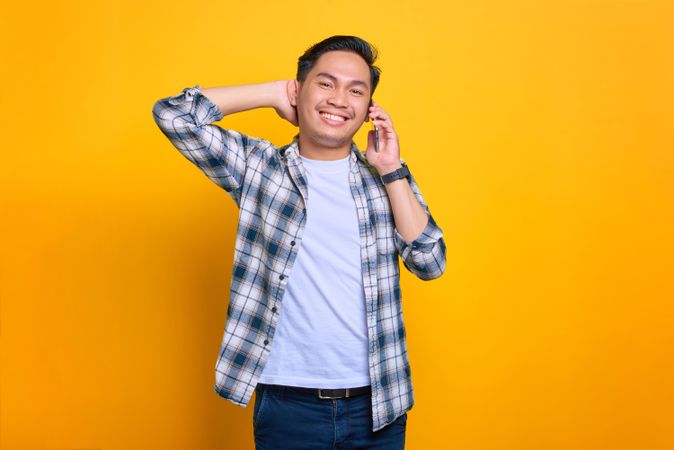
[{"x": 337, "y": 98}]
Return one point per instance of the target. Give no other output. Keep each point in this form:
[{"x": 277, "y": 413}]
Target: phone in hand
[
  {"x": 376, "y": 138},
  {"x": 376, "y": 133}
]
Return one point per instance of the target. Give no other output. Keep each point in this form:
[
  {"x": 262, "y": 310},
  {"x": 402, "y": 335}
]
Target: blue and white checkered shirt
[{"x": 268, "y": 184}]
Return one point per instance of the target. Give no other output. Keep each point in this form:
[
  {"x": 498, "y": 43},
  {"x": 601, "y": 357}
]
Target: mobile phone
[
  {"x": 376, "y": 138},
  {"x": 376, "y": 133}
]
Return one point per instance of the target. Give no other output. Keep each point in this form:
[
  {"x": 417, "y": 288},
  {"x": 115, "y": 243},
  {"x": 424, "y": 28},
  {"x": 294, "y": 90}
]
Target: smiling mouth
[{"x": 332, "y": 119}]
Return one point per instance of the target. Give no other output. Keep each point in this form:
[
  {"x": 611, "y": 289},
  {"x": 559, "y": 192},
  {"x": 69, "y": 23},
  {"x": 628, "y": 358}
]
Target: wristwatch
[{"x": 397, "y": 174}]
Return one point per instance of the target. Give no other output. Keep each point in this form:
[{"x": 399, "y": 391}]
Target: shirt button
[
  {"x": 273, "y": 309},
  {"x": 292, "y": 242},
  {"x": 266, "y": 341},
  {"x": 282, "y": 276}
]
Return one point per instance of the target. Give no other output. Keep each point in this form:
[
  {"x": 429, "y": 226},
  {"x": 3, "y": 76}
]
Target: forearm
[
  {"x": 409, "y": 216},
  {"x": 233, "y": 99}
]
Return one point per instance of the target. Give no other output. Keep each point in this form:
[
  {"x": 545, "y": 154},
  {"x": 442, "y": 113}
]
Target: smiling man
[{"x": 314, "y": 323}]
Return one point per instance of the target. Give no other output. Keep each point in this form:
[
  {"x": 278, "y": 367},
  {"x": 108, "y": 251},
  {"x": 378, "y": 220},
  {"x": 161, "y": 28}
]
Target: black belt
[{"x": 326, "y": 393}]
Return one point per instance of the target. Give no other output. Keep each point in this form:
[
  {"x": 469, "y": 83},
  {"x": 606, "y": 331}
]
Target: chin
[
  {"x": 330, "y": 141},
  {"x": 337, "y": 143}
]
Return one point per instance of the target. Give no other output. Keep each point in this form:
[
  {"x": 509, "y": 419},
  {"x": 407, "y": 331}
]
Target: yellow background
[{"x": 540, "y": 132}]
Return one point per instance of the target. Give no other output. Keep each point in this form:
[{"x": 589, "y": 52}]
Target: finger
[
  {"x": 377, "y": 108},
  {"x": 380, "y": 115},
  {"x": 370, "y": 139},
  {"x": 383, "y": 124}
]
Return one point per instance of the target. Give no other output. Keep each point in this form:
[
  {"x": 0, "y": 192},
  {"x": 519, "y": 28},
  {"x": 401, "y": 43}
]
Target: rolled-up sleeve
[
  {"x": 425, "y": 256},
  {"x": 186, "y": 120}
]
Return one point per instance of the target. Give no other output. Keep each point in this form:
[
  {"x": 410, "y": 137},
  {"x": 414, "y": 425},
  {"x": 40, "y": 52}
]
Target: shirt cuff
[
  {"x": 424, "y": 243},
  {"x": 205, "y": 104}
]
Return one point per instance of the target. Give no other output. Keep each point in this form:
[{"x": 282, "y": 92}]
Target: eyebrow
[{"x": 334, "y": 78}]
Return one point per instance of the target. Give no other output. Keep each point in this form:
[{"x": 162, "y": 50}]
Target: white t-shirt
[{"x": 321, "y": 334}]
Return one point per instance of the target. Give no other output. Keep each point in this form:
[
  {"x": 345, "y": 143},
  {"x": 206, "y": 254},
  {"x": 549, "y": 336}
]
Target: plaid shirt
[{"x": 269, "y": 186}]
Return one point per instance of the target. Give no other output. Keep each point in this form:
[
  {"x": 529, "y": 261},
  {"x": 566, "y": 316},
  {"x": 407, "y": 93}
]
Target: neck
[{"x": 312, "y": 150}]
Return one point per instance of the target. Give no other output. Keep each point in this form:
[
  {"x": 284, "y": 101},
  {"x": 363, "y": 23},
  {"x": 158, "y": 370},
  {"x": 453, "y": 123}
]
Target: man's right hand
[{"x": 282, "y": 106}]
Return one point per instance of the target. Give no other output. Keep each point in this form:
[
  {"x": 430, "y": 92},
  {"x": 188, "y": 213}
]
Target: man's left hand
[{"x": 388, "y": 158}]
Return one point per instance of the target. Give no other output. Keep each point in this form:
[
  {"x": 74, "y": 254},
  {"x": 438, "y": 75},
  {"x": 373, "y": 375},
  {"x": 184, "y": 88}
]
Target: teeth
[{"x": 333, "y": 117}]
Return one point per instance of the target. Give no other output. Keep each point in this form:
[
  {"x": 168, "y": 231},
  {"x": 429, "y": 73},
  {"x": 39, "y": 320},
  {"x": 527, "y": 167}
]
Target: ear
[
  {"x": 367, "y": 114},
  {"x": 293, "y": 89}
]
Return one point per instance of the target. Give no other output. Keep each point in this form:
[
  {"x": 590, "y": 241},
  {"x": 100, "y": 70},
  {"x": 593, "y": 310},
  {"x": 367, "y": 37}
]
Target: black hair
[{"x": 345, "y": 43}]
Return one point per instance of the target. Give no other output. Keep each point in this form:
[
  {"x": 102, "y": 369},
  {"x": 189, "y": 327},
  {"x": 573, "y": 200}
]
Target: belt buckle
[{"x": 320, "y": 394}]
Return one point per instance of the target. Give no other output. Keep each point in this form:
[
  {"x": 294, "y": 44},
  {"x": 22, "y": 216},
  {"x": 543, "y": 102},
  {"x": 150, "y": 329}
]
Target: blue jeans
[{"x": 287, "y": 419}]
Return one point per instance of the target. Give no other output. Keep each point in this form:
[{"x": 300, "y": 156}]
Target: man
[{"x": 314, "y": 324}]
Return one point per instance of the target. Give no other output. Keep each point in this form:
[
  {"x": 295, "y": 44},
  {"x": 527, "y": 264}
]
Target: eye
[
  {"x": 356, "y": 91},
  {"x": 323, "y": 83}
]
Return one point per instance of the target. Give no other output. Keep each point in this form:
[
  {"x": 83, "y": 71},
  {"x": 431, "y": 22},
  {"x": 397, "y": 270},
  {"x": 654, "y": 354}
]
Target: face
[{"x": 333, "y": 100}]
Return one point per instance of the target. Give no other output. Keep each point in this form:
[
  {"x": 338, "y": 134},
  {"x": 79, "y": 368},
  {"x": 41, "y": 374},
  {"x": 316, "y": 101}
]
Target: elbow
[
  {"x": 431, "y": 274},
  {"x": 158, "y": 114},
  {"x": 428, "y": 266},
  {"x": 174, "y": 121}
]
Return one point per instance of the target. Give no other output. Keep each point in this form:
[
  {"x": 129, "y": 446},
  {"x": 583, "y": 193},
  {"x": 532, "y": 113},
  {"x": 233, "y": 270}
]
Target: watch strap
[{"x": 402, "y": 172}]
